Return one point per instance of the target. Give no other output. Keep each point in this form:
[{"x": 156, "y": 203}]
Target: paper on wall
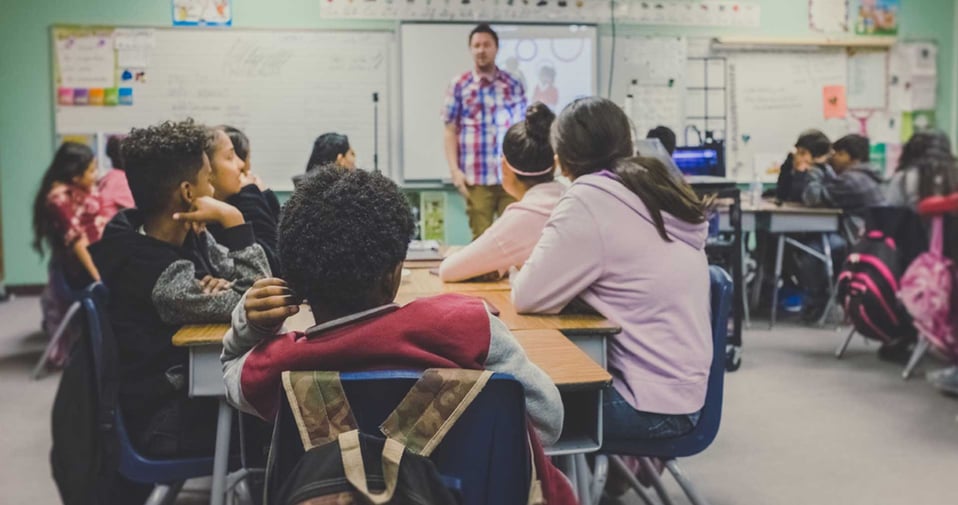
[
  {"x": 828, "y": 15},
  {"x": 86, "y": 61}
]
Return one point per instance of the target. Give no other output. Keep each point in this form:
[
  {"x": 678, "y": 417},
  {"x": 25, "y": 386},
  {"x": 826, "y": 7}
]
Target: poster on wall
[
  {"x": 202, "y": 12},
  {"x": 876, "y": 17}
]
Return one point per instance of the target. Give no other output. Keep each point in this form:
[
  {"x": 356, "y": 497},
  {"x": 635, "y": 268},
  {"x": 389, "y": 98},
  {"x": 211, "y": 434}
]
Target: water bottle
[{"x": 755, "y": 190}]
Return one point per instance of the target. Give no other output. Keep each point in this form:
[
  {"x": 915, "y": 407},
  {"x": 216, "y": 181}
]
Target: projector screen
[{"x": 556, "y": 63}]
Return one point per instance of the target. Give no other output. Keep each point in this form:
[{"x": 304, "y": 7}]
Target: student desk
[
  {"x": 788, "y": 218},
  {"x": 579, "y": 379}
]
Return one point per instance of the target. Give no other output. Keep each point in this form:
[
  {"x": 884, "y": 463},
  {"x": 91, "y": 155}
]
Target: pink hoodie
[
  {"x": 115, "y": 192},
  {"x": 600, "y": 244},
  {"x": 509, "y": 241}
]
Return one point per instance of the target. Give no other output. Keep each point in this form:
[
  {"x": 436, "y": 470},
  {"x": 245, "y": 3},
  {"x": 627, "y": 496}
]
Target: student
[
  {"x": 241, "y": 146},
  {"x": 68, "y": 216},
  {"x": 329, "y": 149},
  {"x": 926, "y": 167},
  {"x": 851, "y": 184},
  {"x": 805, "y": 163},
  {"x": 665, "y": 135},
  {"x": 528, "y": 169},
  {"x": 113, "y": 187},
  {"x": 239, "y": 189},
  {"x": 343, "y": 240},
  {"x": 162, "y": 274},
  {"x": 628, "y": 239}
]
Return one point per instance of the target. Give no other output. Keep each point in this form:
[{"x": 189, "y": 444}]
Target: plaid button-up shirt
[{"x": 482, "y": 110}]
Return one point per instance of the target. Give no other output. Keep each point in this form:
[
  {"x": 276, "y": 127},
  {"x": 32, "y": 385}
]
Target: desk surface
[
  {"x": 561, "y": 359},
  {"x": 768, "y": 206},
  {"x": 423, "y": 283}
]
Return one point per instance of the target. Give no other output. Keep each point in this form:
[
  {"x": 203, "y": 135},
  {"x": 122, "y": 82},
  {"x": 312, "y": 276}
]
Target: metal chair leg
[
  {"x": 600, "y": 475},
  {"x": 583, "y": 479},
  {"x": 657, "y": 484},
  {"x": 40, "y": 367},
  {"x": 921, "y": 348},
  {"x": 840, "y": 352},
  {"x": 637, "y": 486},
  {"x": 829, "y": 273},
  {"x": 164, "y": 494},
  {"x": 685, "y": 483}
]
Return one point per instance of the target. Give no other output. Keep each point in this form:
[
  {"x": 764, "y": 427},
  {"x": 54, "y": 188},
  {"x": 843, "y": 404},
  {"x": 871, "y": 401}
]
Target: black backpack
[
  {"x": 869, "y": 281},
  {"x": 85, "y": 453},
  {"x": 342, "y": 465}
]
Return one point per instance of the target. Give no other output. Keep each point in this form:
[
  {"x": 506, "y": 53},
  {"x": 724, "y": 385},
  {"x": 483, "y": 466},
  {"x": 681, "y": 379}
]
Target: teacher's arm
[{"x": 451, "y": 143}]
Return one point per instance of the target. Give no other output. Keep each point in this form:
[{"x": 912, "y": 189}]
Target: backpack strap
[
  {"x": 433, "y": 405},
  {"x": 319, "y": 406},
  {"x": 355, "y": 470}
]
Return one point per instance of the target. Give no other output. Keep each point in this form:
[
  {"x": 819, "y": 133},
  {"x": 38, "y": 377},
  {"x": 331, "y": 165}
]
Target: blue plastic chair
[
  {"x": 168, "y": 475},
  {"x": 707, "y": 427},
  {"x": 484, "y": 457}
]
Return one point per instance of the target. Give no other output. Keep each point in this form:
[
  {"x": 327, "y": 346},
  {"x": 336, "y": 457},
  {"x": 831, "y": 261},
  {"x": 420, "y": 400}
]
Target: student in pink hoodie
[
  {"x": 528, "y": 175},
  {"x": 629, "y": 240}
]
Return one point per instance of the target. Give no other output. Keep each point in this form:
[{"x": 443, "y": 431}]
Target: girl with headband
[{"x": 528, "y": 168}]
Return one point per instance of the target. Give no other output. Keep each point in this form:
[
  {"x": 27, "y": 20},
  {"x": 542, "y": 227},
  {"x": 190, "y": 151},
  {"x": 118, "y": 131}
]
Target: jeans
[
  {"x": 811, "y": 270},
  {"x": 622, "y": 422}
]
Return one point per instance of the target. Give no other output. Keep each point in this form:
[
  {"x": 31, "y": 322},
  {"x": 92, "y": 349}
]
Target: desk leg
[
  {"x": 830, "y": 273},
  {"x": 583, "y": 479},
  {"x": 224, "y": 424},
  {"x": 778, "y": 278}
]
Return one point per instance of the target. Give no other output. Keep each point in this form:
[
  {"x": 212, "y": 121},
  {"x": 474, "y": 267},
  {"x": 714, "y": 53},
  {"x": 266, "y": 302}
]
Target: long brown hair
[
  {"x": 71, "y": 160},
  {"x": 593, "y": 134}
]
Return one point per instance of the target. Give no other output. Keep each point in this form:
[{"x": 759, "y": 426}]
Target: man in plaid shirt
[{"x": 480, "y": 106}]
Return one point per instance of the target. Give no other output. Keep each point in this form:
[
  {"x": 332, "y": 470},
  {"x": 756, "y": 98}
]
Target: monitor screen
[{"x": 700, "y": 160}]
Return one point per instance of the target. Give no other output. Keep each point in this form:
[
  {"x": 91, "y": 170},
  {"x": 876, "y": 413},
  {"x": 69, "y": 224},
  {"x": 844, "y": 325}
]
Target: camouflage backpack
[{"x": 342, "y": 466}]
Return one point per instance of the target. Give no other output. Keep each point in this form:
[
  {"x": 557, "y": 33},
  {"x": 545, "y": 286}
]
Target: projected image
[{"x": 555, "y": 67}]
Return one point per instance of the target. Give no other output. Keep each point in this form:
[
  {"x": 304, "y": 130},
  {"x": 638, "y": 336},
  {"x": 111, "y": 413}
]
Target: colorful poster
[
  {"x": 433, "y": 215},
  {"x": 876, "y": 17},
  {"x": 202, "y": 12}
]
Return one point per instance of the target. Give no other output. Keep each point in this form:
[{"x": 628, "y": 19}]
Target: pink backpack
[{"x": 928, "y": 292}]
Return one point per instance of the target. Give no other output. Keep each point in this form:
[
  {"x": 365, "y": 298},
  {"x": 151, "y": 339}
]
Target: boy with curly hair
[
  {"x": 164, "y": 270},
  {"x": 342, "y": 241}
]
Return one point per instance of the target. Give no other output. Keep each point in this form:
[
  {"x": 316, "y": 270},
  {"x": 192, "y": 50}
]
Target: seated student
[
  {"x": 805, "y": 163},
  {"x": 68, "y": 215},
  {"x": 851, "y": 185},
  {"x": 240, "y": 190},
  {"x": 629, "y": 240},
  {"x": 242, "y": 148},
  {"x": 162, "y": 274},
  {"x": 113, "y": 187},
  {"x": 343, "y": 239},
  {"x": 329, "y": 149},
  {"x": 665, "y": 135},
  {"x": 528, "y": 175},
  {"x": 927, "y": 167}
]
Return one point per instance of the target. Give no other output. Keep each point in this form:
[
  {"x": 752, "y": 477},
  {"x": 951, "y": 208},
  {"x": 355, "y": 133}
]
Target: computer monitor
[{"x": 701, "y": 160}]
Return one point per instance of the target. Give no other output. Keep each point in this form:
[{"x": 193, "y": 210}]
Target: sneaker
[{"x": 945, "y": 380}]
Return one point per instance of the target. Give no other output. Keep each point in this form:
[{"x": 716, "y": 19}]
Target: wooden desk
[
  {"x": 785, "y": 218},
  {"x": 566, "y": 364},
  {"x": 423, "y": 283}
]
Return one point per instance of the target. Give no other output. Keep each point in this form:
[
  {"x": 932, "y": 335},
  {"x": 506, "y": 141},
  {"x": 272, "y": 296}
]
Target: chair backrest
[
  {"x": 706, "y": 429},
  {"x": 486, "y": 450},
  {"x": 132, "y": 465}
]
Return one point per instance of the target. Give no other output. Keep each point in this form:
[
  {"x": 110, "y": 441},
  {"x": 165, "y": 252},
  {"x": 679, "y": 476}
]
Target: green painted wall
[{"x": 26, "y": 111}]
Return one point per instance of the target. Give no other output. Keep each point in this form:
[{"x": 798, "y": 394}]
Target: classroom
[{"x": 479, "y": 252}]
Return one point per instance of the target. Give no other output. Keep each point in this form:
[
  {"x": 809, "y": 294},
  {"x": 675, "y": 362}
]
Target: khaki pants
[{"x": 483, "y": 205}]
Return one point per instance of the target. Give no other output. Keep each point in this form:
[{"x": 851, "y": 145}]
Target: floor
[{"x": 799, "y": 427}]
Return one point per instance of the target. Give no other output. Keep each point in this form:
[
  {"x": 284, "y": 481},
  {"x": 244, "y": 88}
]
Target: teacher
[{"x": 480, "y": 106}]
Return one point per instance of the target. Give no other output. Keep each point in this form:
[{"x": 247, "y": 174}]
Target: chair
[
  {"x": 56, "y": 345},
  {"x": 168, "y": 475},
  {"x": 704, "y": 432},
  {"x": 484, "y": 456}
]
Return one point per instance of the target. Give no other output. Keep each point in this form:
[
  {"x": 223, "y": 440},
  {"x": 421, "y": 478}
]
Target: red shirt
[{"x": 77, "y": 213}]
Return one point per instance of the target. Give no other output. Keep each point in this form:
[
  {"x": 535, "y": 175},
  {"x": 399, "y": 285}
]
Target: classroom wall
[{"x": 26, "y": 111}]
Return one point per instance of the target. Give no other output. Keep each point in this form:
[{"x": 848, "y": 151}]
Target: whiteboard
[
  {"x": 282, "y": 88},
  {"x": 773, "y": 97},
  {"x": 433, "y": 54}
]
